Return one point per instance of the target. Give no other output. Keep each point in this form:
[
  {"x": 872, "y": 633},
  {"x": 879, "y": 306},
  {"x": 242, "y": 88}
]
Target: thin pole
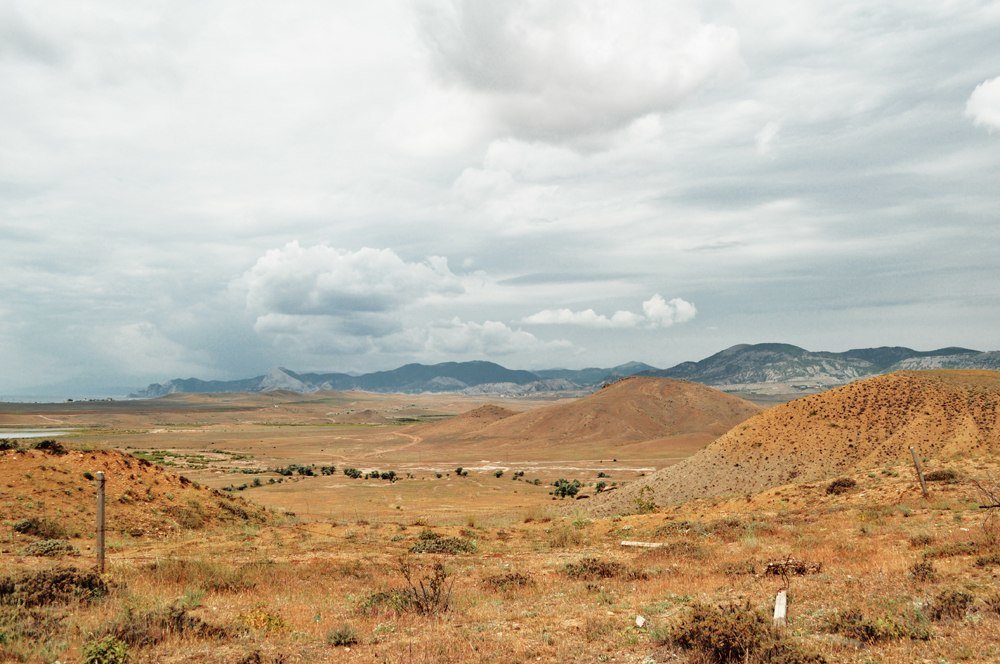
[
  {"x": 100, "y": 522},
  {"x": 920, "y": 471}
]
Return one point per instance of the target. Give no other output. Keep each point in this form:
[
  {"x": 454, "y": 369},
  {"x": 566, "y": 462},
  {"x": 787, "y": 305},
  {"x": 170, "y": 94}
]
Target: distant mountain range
[
  {"x": 783, "y": 363},
  {"x": 740, "y": 365}
]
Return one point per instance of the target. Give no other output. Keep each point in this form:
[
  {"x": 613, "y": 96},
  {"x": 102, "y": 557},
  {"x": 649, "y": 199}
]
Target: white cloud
[
  {"x": 324, "y": 280},
  {"x": 657, "y": 312},
  {"x": 463, "y": 338},
  {"x": 766, "y": 136},
  {"x": 662, "y": 313},
  {"x": 585, "y": 318},
  {"x": 984, "y": 104},
  {"x": 557, "y": 69}
]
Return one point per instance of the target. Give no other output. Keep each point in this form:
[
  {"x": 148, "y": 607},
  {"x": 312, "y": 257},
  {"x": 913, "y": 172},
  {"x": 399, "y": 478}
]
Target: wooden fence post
[
  {"x": 100, "y": 522},
  {"x": 920, "y": 471}
]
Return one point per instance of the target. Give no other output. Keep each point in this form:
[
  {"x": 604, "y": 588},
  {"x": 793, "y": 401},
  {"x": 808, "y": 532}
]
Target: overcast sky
[{"x": 215, "y": 188}]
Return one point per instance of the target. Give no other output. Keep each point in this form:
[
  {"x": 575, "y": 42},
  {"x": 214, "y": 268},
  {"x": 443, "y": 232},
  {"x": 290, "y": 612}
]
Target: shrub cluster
[
  {"x": 595, "y": 568},
  {"x": 40, "y": 527},
  {"x": 564, "y": 488},
  {"x": 430, "y": 542},
  {"x": 52, "y": 586},
  {"x": 733, "y": 633},
  {"x": 50, "y": 548},
  {"x": 842, "y": 485}
]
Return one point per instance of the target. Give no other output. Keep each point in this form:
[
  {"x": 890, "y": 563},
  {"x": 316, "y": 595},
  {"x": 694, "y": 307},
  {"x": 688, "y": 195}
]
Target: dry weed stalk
[{"x": 430, "y": 594}]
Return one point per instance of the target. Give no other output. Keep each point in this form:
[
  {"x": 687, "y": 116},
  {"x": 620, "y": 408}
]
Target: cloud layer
[
  {"x": 656, "y": 313},
  {"x": 220, "y": 187}
]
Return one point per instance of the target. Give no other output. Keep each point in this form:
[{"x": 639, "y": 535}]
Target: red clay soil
[
  {"x": 637, "y": 413},
  {"x": 864, "y": 425},
  {"x": 141, "y": 498}
]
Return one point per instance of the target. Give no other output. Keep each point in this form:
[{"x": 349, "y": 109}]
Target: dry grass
[{"x": 329, "y": 586}]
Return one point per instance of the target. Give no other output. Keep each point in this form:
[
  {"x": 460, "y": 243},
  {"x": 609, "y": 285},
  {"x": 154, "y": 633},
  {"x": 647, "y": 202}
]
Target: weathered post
[
  {"x": 920, "y": 471},
  {"x": 780, "y": 609},
  {"x": 100, "y": 522}
]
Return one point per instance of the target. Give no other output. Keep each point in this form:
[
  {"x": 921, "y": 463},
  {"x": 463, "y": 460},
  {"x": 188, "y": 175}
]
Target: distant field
[{"x": 228, "y": 441}]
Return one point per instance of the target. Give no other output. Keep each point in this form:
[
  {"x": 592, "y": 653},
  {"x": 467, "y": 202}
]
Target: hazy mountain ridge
[
  {"x": 747, "y": 364},
  {"x": 477, "y": 377},
  {"x": 743, "y": 364}
]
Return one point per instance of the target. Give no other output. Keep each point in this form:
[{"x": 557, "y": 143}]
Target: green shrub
[
  {"x": 430, "y": 542},
  {"x": 564, "y": 488},
  {"x": 50, "y": 447},
  {"x": 854, "y": 624},
  {"x": 8, "y": 444},
  {"x": 108, "y": 650},
  {"x": 40, "y": 527},
  {"x": 49, "y": 548},
  {"x": 498, "y": 473},
  {"x": 342, "y": 635}
]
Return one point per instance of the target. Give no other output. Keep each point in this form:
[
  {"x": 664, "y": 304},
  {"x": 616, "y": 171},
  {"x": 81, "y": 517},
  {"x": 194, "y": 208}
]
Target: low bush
[
  {"x": 856, "y": 625},
  {"x": 431, "y": 542},
  {"x": 951, "y": 550},
  {"x": 50, "y": 548},
  {"x": 991, "y": 560},
  {"x": 595, "y": 568},
  {"x": 8, "y": 444},
  {"x": 392, "y": 602},
  {"x": 733, "y": 633},
  {"x": 841, "y": 485},
  {"x": 950, "y": 604},
  {"x": 52, "y": 586},
  {"x": 146, "y": 628},
  {"x": 40, "y": 527},
  {"x": 923, "y": 571},
  {"x": 508, "y": 581},
  {"x": 342, "y": 635},
  {"x": 108, "y": 650},
  {"x": 50, "y": 447},
  {"x": 992, "y": 604},
  {"x": 943, "y": 475}
]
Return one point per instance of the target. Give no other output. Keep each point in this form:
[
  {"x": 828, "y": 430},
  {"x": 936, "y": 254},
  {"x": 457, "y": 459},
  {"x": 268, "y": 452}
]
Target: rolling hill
[
  {"x": 864, "y": 425},
  {"x": 635, "y": 417}
]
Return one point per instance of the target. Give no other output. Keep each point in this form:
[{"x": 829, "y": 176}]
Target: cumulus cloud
[
  {"x": 656, "y": 313},
  {"x": 664, "y": 313},
  {"x": 585, "y": 318},
  {"x": 467, "y": 338},
  {"x": 558, "y": 69},
  {"x": 324, "y": 280},
  {"x": 984, "y": 104}
]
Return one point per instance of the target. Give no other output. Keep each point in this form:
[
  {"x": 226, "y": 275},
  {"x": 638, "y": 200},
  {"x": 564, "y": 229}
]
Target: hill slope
[
  {"x": 142, "y": 498},
  {"x": 943, "y": 414},
  {"x": 638, "y": 415}
]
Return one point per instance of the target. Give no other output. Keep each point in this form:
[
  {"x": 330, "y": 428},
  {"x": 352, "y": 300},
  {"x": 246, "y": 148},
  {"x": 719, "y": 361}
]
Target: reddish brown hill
[
  {"x": 141, "y": 498},
  {"x": 873, "y": 422},
  {"x": 636, "y": 416}
]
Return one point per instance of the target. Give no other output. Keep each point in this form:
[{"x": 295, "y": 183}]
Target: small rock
[{"x": 640, "y": 621}]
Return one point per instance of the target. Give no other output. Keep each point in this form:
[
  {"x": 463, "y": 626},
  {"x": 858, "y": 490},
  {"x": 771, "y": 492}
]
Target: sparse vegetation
[
  {"x": 842, "y": 485},
  {"x": 735, "y": 633}
]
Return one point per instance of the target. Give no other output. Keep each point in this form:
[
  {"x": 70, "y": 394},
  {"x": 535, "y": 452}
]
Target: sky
[{"x": 216, "y": 188}]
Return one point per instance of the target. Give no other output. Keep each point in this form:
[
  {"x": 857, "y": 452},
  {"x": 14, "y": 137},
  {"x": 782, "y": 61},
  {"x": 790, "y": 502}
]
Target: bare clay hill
[
  {"x": 57, "y": 483},
  {"x": 867, "y": 424},
  {"x": 638, "y": 417}
]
